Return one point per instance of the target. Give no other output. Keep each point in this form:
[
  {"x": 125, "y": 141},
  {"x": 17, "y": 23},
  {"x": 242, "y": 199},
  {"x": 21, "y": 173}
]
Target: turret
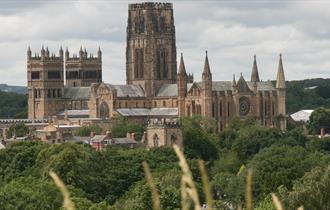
[
  {"x": 67, "y": 54},
  {"x": 280, "y": 89},
  {"x": 99, "y": 54},
  {"x": 42, "y": 53},
  {"x": 81, "y": 53},
  {"x": 182, "y": 78},
  {"x": 47, "y": 52},
  {"x": 182, "y": 87},
  {"x": 29, "y": 53},
  {"x": 255, "y": 74},
  {"x": 234, "y": 84},
  {"x": 207, "y": 88},
  {"x": 61, "y": 52}
]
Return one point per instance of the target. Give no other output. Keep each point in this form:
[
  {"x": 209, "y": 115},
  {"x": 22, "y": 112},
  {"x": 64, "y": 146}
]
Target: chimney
[{"x": 322, "y": 132}]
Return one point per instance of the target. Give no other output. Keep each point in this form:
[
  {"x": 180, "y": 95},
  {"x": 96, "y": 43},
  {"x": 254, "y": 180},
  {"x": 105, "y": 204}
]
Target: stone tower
[
  {"x": 45, "y": 83},
  {"x": 84, "y": 69},
  {"x": 151, "y": 48},
  {"x": 280, "y": 89}
]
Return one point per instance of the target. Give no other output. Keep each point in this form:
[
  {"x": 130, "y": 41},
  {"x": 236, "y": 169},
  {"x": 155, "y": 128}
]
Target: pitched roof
[
  {"x": 128, "y": 90},
  {"x": 170, "y": 90},
  {"x": 77, "y": 92},
  {"x": 148, "y": 112},
  {"x": 302, "y": 115}
]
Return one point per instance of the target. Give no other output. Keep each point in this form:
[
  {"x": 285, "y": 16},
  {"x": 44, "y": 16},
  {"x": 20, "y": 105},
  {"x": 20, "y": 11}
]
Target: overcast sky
[{"x": 231, "y": 31}]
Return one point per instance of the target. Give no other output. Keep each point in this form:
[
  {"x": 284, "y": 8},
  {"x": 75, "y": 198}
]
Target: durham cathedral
[{"x": 156, "y": 87}]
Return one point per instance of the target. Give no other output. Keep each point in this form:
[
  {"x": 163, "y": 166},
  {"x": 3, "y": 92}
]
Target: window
[
  {"x": 72, "y": 75},
  {"x": 90, "y": 75},
  {"x": 164, "y": 103},
  {"x": 138, "y": 67},
  {"x": 49, "y": 95},
  {"x": 161, "y": 65},
  {"x": 156, "y": 141},
  {"x": 35, "y": 75},
  {"x": 54, "y": 74}
]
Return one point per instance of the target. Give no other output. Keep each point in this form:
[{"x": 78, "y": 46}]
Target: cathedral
[{"x": 156, "y": 87}]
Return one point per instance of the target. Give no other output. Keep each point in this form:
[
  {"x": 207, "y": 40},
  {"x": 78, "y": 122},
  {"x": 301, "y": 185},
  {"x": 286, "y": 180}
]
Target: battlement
[
  {"x": 45, "y": 55},
  {"x": 150, "y": 5},
  {"x": 83, "y": 56},
  {"x": 169, "y": 123}
]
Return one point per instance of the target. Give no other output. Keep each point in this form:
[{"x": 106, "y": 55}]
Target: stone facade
[{"x": 154, "y": 88}]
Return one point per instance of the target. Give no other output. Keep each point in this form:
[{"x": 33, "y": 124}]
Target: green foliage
[
  {"x": 124, "y": 126},
  {"x": 311, "y": 191},
  {"x": 13, "y": 105},
  {"x": 19, "y": 129},
  {"x": 199, "y": 137},
  {"x": 320, "y": 118},
  {"x": 86, "y": 130},
  {"x": 18, "y": 160},
  {"x": 281, "y": 165},
  {"x": 30, "y": 193},
  {"x": 299, "y": 96}
]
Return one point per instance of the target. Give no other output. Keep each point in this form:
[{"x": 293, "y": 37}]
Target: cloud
[{"x": 232, "y": 31}]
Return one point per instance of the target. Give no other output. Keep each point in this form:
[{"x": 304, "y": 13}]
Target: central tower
[{"x": 151, "y": 48}]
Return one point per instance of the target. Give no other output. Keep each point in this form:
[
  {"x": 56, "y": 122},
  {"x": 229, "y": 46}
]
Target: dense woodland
[
  {"x": 293, "y": 166},
  {"x": 299, "y": 96}
]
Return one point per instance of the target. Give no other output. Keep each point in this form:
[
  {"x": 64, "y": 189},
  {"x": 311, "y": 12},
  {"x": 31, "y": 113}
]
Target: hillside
[
  {"x": 14, "y": 89},
  {"x": 307, "y": 94},
  {"x": 13, "y": 105}
]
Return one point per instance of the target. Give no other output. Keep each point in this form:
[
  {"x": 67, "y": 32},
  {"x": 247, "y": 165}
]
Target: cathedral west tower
[{"x": 151, "y": 49}]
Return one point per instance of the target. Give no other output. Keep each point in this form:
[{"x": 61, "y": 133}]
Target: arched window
[
  {"x": 156, "y": 140},
  {"x": 104, "y": 110}
]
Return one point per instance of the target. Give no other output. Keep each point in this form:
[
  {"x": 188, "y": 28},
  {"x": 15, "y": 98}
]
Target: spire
[
  {"x": 182, "y": 68},
  {"x": 255, "y": 74},
  {"x": 280, "y": 81},
  {"x": 206, "y": 70},
  {"x": 234, "y": 80}
]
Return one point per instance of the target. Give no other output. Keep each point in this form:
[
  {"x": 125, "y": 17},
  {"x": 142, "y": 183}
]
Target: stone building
[{"x": 154, "y": 88}]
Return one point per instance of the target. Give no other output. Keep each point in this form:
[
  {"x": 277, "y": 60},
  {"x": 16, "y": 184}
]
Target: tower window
[
  {"x": 35, "y": 75},
  {"x": 90, "y": 75},
  {"x": 138, "y": 67},
  {"x": 161, "y": 65},
  {"x": 54, "y": 75},
  {"x": 72, "y": 75}
]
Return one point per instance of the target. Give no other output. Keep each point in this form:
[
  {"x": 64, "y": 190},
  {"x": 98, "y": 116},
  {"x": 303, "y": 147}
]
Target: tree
[
  {"x": 76, "y": 164},
  {"x": 19, "y": 130},
  {"x": 30, "y": 193},
  {"x": 199, "y": 137},
  {"x": 320, "y": 118},
  {"x": 123, "y": 126},
  {"x": 281, "y": 165},
  {"x": 311, "y": 191}
]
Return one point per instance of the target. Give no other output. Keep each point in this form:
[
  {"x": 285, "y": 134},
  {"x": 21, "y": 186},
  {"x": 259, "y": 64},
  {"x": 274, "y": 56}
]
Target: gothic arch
[
  {"x": 173, "y": 139},
  {"x": 104, "y": 110}
]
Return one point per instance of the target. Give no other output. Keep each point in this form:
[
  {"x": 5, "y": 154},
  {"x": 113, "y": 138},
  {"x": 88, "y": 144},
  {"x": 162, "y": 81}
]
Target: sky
[{"x": 232, "y": 31}]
